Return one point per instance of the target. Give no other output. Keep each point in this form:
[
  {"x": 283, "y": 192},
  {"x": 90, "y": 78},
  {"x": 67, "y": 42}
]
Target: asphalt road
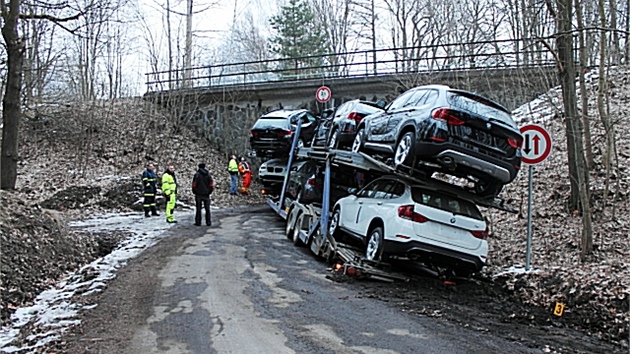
[{"x": 241, "y": 287}]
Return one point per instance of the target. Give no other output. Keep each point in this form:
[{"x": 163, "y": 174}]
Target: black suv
[
  {"x": 272, "y": 134},
  {"x": 447, "y": 130},
  {"x": 339, "y": 128}
]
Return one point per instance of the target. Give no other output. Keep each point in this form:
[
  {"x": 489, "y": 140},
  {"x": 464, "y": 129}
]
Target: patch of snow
[
  {"x": 517, "y": 270},
  {"x": 52, "y": 312}
]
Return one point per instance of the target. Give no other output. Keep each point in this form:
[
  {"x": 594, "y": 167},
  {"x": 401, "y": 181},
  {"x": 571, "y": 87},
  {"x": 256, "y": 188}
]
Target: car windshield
[
  {"x": 271, "y": 123},
  {"x": 480, "y": 106},
  {"x": 446, "y": 203},
  {"x": 367, "y": 109}
]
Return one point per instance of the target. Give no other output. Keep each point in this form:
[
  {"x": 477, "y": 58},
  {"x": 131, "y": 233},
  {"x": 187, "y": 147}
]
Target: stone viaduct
[{"x": 224, "y": 114}]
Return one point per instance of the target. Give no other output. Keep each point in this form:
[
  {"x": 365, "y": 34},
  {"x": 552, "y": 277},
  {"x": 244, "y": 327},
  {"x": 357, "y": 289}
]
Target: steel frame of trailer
[{"x": 316, "y": 235}]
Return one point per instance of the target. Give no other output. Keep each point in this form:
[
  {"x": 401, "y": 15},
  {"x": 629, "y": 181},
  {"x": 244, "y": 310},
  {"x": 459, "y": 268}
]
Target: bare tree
[
  {"x": 602, "y": 99},
  {"x": 588, "y": 145},
  {"x": 578, "y": 173},
  {"x": 11, "y": 103}
]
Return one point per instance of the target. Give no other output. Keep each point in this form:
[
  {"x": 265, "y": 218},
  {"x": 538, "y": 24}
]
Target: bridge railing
[{"x": 439, "y": 57}]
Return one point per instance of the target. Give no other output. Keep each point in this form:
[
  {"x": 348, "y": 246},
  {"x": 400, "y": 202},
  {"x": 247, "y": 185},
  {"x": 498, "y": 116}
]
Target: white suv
[{"x": 393, "y": 217}]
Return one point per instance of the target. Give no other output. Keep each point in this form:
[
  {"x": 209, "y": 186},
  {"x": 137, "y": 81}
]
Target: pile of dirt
[{"x": 37, "y": 249}]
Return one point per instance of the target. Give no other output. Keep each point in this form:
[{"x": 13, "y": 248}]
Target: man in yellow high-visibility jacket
[
  {"x": 233, "y": 171},
  {"x": 169, "y": 188}
]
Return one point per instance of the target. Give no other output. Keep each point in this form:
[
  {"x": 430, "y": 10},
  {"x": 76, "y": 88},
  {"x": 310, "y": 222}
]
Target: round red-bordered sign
[
  {"x": 536, "y": 144},
  {"x": 323, "y": 94}
]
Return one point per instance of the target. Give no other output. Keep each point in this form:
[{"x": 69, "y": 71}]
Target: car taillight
[
  {"x": 357, "y": 117},
  {"x": 407, "y": 212},
  {"x": 313, "y": 182},
  {"x": 482, "y": 235},
  {"x": 447, "y": 115},
  {"x": 515, "y": 143},
  {"x": 284, "y": 133}
]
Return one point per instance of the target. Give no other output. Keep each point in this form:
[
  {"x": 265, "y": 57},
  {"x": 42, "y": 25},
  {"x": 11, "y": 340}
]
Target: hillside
[{"x": 80, "y": 160}]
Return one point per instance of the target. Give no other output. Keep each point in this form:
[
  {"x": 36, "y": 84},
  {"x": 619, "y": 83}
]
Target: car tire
[
  {"x": 404, "y": 153},
  {"x": 374, "y": 244},
  {"x": 357, "y": 143},
  {"x": 302, "y": 218},
  {"x": 488, "y": 189},
  {"x": 291, "y": 219},
  {"x": 333, "y": 227},
  {"x": 333, "y": 141}
]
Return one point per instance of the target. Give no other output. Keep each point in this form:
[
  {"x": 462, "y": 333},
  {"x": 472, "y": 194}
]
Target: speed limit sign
[{"x": 323, "y": 94}]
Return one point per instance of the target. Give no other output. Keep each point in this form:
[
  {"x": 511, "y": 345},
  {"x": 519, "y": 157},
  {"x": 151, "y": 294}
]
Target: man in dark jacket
[
  {"x": 149, "y": 190},
  {"x": 202, "y": 187}
]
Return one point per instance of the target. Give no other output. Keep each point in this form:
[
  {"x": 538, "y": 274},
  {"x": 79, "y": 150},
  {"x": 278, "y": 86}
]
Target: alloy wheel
[
  {"x": 357, "y": 144},
  {"x": 334, "y": 223},
  {"x": 374, "y": 244},
  {"x": 403, "y": 149}
]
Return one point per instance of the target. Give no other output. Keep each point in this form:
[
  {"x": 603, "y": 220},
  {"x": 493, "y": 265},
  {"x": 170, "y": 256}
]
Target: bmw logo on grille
[
  {"x": 452, "y": 220},
  {"x": 488, "y": 125}
]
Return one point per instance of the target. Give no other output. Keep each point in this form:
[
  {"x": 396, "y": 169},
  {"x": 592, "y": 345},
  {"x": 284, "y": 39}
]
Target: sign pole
[
  {"x": 530, "y": 203},
  {"x": 536, "y": 148}
]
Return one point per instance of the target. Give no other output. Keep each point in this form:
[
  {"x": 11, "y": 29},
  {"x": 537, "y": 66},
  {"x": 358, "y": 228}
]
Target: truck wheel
[
  {"x": 291, "y": 223},
  {"x": 333, "y": 228},
  {"x": 299, "y": 225},
  {"x": 357, "y": 144},
  {"x": 404, "y": 152},
  {"x": 374, "y": 246}
]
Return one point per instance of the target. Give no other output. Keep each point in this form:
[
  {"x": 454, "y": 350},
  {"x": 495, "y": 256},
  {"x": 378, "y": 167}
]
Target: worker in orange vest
[{"x": 246, "y": 173}]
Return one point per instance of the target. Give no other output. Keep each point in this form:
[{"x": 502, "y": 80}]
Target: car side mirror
[
  {"x": 380, "y": 103},
  {"x": 352, "y": 190}
]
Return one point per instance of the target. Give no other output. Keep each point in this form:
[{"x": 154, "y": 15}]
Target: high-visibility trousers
[
  {"x": 247, "y": 181},
  {"x": 170, "y": 207}
]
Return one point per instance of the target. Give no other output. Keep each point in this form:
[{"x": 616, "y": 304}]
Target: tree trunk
[
  {"x": 580, "y": 199},
  {"x": 11, "y": 103},
  {"x": 588, "y": 145},
  {"x": 602, "y": 97}
]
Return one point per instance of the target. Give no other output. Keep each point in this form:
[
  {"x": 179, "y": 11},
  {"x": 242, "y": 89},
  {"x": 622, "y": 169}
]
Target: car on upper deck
[
  {"x": 272, "y": 134},
  {"x": 339, "y": 128},
  {"x": 436, "y": 128}
]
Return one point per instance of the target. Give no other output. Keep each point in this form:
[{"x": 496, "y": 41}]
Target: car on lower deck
[
  {"x": 395, "y": 217},
  {"x": 306, "y": 182},
  {"x": 440, "y": 129},
  {"x": 271, "y": 175}
]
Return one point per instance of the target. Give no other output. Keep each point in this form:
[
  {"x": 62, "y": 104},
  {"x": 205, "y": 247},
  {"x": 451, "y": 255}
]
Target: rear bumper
[
  {"x": 270, "y": 145},
  {"x": 502, "y": 170},
  {"x": 438, "y": 256}
]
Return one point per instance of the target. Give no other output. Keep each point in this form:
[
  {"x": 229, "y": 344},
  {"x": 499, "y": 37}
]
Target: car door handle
[
  {"x": 379, "y": 203},
  {"x": 359, "y": 202}
]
